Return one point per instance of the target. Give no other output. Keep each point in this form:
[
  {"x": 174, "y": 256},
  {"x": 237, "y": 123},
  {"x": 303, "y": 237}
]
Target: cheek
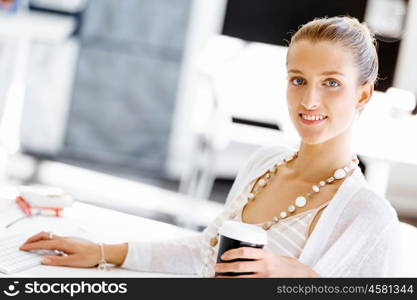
[
  {"x": 342, "y": 98},
  {"x": 342, "y": 106},
  {"x": 292, "y": 96}
]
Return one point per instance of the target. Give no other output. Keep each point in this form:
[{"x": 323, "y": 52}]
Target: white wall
[{"x": 406, "y": 71}]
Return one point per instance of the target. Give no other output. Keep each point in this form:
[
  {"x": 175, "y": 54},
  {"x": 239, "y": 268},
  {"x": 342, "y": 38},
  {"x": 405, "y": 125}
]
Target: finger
[
  {"x": 47, "y": 245},
  {"x": 40, "y": 236},
  {"x": 55, "y": 260},
  {"x": 238, "y": 267},
  {"x": 244, "y": 252}
]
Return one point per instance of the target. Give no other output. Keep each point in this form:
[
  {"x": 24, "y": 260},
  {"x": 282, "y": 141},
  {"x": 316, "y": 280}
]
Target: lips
[{"x": 312, "y": 122}]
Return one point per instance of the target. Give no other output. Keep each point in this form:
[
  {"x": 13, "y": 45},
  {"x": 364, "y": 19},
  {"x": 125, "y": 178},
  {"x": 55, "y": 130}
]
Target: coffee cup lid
[{"x": 244, "y": 232}]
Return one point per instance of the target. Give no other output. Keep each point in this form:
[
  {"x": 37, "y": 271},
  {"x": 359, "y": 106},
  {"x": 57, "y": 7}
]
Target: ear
[{"x": 364, "y": 95}]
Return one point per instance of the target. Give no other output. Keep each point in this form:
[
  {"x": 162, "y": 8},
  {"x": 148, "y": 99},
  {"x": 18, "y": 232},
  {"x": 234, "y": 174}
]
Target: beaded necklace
[{"x": 300, "y": 201}]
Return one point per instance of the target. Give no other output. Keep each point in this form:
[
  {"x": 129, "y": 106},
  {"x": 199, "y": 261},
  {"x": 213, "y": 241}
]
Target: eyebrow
[{"x": 324, "y": 73}]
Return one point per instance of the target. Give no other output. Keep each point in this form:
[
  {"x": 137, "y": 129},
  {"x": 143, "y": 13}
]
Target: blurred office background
[{"x": 116, "y": 100}]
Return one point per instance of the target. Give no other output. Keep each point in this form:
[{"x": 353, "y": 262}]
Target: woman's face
[{"x": 322, "y": 83}]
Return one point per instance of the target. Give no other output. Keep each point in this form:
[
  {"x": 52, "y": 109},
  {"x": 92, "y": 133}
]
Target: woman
[{"x": 321, "y": 217}]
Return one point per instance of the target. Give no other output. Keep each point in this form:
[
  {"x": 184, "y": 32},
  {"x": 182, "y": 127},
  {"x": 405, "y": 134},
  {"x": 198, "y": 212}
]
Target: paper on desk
[
  {"x": 9, "y": 210},
  {"x": 9, "y": 215}
]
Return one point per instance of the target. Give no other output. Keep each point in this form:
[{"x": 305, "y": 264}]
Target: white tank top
[{"x": 289, "y": 235}]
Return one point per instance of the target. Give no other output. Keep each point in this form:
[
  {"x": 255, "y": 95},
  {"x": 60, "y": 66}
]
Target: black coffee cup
[{"x": 235, "y": 235}]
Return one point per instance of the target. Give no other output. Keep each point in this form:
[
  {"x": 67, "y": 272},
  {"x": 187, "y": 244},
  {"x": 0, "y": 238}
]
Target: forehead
[{"x": 319, "y": 57}]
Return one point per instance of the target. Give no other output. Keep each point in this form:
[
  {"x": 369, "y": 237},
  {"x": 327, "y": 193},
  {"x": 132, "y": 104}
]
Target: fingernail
[{"x": 46, "y": 260}]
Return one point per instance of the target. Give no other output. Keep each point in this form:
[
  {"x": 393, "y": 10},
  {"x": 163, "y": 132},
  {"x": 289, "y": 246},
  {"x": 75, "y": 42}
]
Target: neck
[{"x": 317, "y": 162}]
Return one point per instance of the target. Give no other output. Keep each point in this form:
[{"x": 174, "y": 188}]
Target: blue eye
[
  {"x": 297, "y": 81},
  {"x": 332, "y": 83}
]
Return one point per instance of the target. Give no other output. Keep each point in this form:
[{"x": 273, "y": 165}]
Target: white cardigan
[{"x": 356, "y": 236}]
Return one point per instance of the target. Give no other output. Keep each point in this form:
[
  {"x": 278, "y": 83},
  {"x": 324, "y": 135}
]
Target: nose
[{"x": 311, "y": 99}]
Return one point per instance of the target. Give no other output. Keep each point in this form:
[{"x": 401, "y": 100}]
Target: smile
[{"x": 312, "y": 119}]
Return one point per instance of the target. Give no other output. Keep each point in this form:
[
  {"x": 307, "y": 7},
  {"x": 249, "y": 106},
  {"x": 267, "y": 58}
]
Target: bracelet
[{"x": 102, "y": 264}]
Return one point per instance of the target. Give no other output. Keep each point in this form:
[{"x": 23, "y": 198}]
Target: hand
[
  {"x": 79, "y": 253},
  {"x": 264, "y": 264}
]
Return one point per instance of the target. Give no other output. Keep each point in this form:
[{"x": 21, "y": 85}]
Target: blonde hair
[{"x": 351, "y": 34}]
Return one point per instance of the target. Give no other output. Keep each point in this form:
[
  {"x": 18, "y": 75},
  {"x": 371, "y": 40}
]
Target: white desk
[{"x": 96, "y": 224}]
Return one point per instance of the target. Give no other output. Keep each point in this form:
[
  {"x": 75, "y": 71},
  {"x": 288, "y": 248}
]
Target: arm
[
  {"x": 115, "y": 253},
  {"x": 180, "y": 256}
]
